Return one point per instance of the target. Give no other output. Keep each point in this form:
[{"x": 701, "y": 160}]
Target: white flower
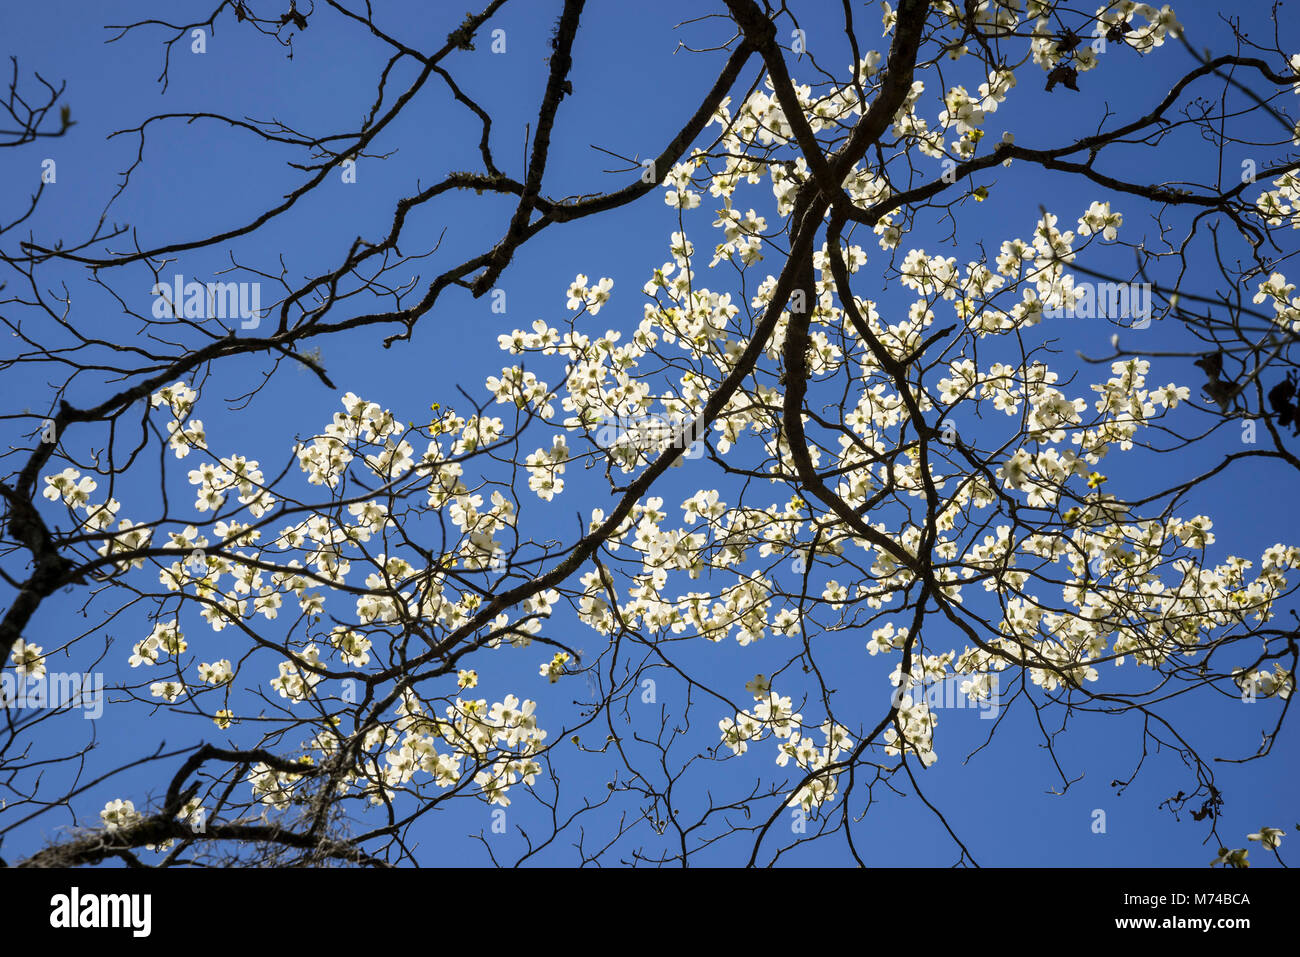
[
  {"x": 169, "y": 691},
  {"x": 28, "y": 660},
  {"x": 216, "y": 673},
  {"x": 118, "y": 814},
  {"x": 682, "y": 199},
  {"x": 1100, "y": 219},
  {"x": 599, "y": 293},
  {"x": 577, "y": 293},
  {"x": 70, "y": 485},
  {"x": 553, "y": 669},
  {"x": 1269, "y": 837}
]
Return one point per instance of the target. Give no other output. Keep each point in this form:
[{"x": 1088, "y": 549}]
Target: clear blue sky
[{"x": 631, "y": 92}]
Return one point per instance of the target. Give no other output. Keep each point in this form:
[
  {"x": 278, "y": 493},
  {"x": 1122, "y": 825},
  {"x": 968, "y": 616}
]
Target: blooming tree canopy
[{"x": 715, "y": 555}]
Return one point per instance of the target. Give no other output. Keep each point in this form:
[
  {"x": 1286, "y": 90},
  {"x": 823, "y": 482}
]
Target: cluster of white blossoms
[
  {"x": 73, "y": 489},
  {"x": 1276, "y": 291},
  {"x": 1265, "y": 684},
  {"x": 1277, "y": 206},
  {"x": 742, "y": 237},
  {"x": 70, "y": 486},
  {"x": 773, "y": 715},
  {"x": 591, "y": 298},
  {"x": 1269, "y": 838},
  {"x": 545, "y": 466},
  {"x": 966, "y": 113},
  {"x": 679, "y": 195},
  {"x": 1087, "y": 584},
  {"x": 1105, "y": 554},
  {"x": 917, "y": 722},
  {"x": 295, "y": 681},
  {"x": 1143, "y": 37},
  {"x": 185, "y": 433},
  {"x": 215, "y": 480},
  {"x": 235, "y": 569},
  {"x": 165, "y": 639},
  {"x": 1100, "y": 219},
  {"x": 494, "y": 746},
  {"x": 119, "y": 814},
  {"x": 363, "y": 428}
]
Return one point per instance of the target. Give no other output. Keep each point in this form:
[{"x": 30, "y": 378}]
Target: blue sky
[{"x": 633, "y": 88}]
